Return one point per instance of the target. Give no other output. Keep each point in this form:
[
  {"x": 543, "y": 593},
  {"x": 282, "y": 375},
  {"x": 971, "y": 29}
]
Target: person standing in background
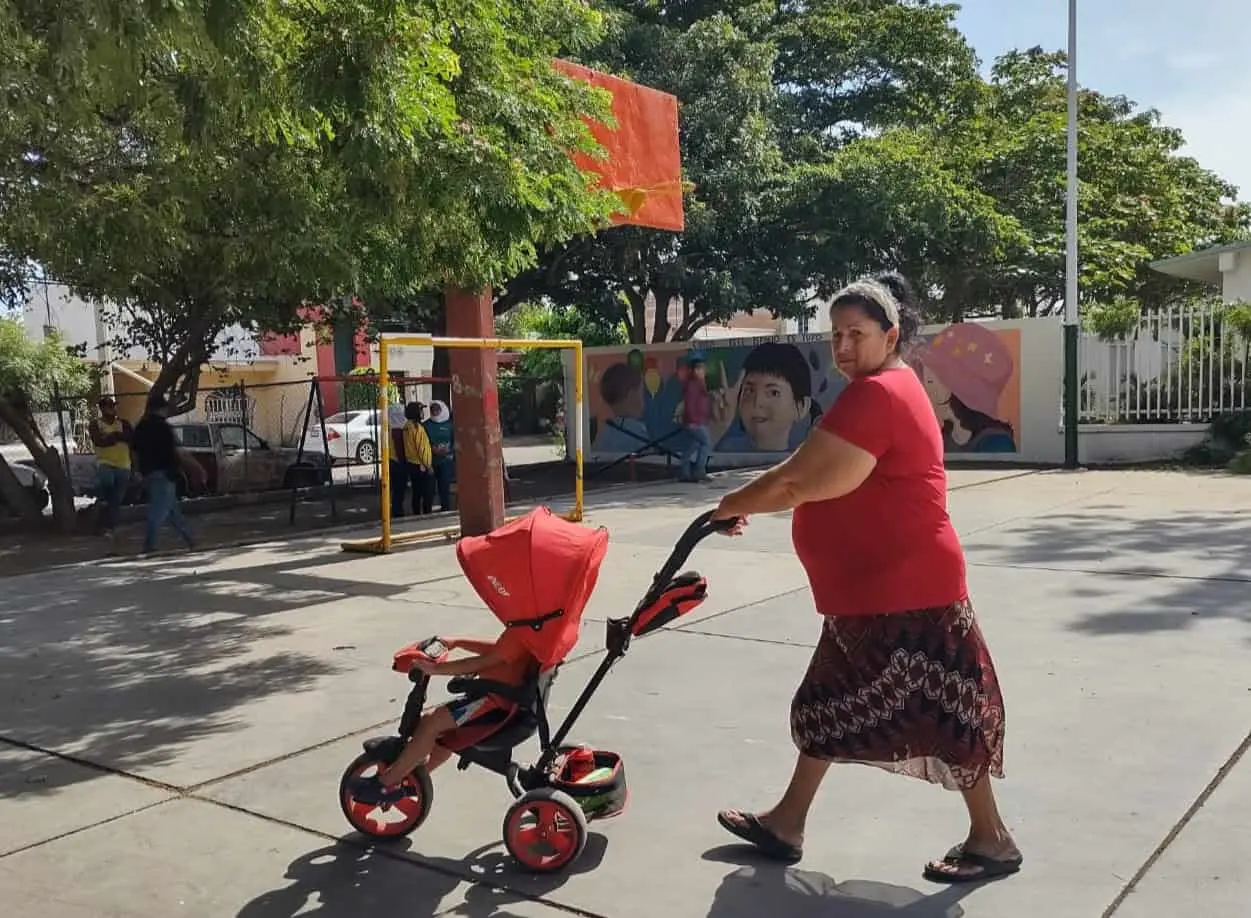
[
  {"x": 418, "y": 457},
  {"x": 161, "y": 462},
  {"x": 111, "y": 436},
  {"x": 443, "y": 447},
  {"x": 696, "y": 418},
  {"x": 399, "y": 468}
]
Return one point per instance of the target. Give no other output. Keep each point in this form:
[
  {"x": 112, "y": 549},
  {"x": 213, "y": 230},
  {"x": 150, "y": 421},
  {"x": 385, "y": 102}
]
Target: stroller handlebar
[{"x": 700, "y": 528}]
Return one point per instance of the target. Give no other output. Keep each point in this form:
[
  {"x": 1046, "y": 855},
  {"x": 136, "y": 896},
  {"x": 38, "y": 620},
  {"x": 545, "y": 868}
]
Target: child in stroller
[
  {"x": 536, "y": 575},
  {"x": 505, "y": 660}
]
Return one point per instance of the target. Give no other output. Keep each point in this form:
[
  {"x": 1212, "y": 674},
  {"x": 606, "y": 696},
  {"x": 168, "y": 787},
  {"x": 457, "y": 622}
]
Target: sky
[{"x": 1186, "y": 58}]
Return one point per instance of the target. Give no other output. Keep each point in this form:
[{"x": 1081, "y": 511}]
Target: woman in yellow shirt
[{"x": 419, "y": 458}]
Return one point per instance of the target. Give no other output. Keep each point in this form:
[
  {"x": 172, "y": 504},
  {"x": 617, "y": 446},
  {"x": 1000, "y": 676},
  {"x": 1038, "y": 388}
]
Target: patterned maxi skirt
[{"x": 913, "y": 692}]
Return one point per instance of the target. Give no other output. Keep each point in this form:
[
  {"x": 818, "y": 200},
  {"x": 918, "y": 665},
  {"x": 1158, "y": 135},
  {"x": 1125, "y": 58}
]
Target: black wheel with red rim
[
  {"x": 394, "y": 820},
  {"x": 545, "y": 830}
]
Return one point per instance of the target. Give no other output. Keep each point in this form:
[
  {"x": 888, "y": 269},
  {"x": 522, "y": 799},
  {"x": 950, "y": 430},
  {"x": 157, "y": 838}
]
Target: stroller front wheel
[
  {"x": 545, "y": 830},
  {"x": 384, "y": 821}
]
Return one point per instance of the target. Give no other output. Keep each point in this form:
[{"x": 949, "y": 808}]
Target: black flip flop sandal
[
  {"x": 756, "y": 833},
  {"x": 984, "y": 869}
]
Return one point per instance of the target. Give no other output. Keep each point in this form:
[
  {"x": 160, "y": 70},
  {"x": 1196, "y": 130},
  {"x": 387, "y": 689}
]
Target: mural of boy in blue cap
[{"x": 772, "y": 400}]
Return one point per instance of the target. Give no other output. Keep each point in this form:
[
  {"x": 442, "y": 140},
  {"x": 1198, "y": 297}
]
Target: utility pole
[
  {"x": 1071, "y": 383},
  {"x": 104, "y": 351}
]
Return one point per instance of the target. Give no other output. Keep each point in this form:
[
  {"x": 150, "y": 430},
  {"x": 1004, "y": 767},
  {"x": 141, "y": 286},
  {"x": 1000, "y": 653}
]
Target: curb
[
  {"x": 347, "y": 528},
  {"x": 331, "y": 531}
]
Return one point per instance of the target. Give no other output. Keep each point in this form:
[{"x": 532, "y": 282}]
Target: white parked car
[
  {"x": 351, "y": 436},
  {"x": 33, "y": 480}
]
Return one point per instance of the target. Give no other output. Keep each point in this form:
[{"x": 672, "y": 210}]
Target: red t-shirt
[
  {"x": 697, "y": 404},
  {"x": 888, "y": 546}
]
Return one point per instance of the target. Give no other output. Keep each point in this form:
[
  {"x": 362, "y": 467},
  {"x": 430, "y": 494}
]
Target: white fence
[
  {"x": 1185, "y": 365},
  {"x": 227, "y": 408}
]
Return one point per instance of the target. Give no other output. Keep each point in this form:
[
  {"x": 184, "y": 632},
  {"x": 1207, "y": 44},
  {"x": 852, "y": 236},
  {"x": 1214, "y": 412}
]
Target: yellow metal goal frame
[{"x": 386, "y": 341}]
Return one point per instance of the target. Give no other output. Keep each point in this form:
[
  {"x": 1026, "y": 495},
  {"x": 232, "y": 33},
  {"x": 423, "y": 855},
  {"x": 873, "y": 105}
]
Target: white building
[
  {"x": 1225, "y": 268},
  {"x": 79, "y": 324}
]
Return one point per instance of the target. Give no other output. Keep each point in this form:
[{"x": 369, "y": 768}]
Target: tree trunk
[
  {"x": 638, "y": 316},
  {"x": 661, "y": 326},
  {"x": 180, "y": 371},
  {"x": 692, "y": 321},
  {"x": 60, "y": 489}
]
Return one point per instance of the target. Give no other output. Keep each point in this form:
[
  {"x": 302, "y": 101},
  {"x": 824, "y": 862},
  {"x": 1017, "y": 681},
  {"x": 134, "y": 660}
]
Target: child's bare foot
[{"x": 374, "y": 790}]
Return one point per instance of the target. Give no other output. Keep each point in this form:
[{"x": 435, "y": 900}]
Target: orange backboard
[{"x": 644, "y": 163}]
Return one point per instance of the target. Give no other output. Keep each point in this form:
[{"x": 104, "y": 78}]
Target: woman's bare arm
[
  {"x": 473, "y": 645},
  {"x": 466, "y": 666},
  {"x": 824, "y": 467}
]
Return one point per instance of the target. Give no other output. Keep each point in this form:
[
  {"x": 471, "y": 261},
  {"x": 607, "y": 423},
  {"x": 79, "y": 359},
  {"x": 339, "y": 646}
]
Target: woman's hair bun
[{"x": 909, "y": 307}]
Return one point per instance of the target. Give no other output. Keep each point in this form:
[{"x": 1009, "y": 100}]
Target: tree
[
  {"x": 33, "y": 375},
  {"x": 1140, "y": 200},
  {"x": 764, "y": 91},
  {"x": 198, "y": 165},
  {"x": 537, "y": 320},
  {"x": 972, "y": 204},
  {"x": 889, "y": 203}
]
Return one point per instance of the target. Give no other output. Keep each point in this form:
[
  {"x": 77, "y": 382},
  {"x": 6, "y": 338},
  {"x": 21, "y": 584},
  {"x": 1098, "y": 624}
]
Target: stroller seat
[
  {"x": 501, "y": 729},
  {"x": 535, "y": 574}
]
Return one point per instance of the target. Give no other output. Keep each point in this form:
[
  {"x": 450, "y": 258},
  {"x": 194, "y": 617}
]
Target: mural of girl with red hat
[{"x": 966, "y": 369}]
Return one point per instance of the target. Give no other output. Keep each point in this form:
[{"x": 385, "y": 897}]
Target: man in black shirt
[{"x": 161, "y": 461}]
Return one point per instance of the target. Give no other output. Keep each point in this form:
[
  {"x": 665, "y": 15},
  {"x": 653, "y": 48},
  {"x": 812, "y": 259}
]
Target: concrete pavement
[{"x": 172, "y": 731}]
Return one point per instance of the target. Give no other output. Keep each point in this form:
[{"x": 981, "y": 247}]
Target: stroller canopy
[{"x": 536, "y": 574}]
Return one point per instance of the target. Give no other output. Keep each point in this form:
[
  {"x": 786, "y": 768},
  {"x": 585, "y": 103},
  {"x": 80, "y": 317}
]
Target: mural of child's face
[
  {"x": 631, "y": 406},
  {"x": 768, "y": 410},
  {"x": 940, "y": 397},
  {"x": 700, "y": 371}
]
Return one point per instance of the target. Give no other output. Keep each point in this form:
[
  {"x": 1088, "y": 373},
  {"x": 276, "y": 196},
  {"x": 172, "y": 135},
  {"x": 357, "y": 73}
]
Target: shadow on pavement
[
  {"x": 124, "y": 667},
  {"x": 765, "y": 888},
  {"x": 121, "y": 664},
  {"x": 1102, "y": 542},
  {"x": 347, "y": 881}
]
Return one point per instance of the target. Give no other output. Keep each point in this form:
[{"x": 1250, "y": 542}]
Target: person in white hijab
[
  {"x": 443, "y": 444},
  {"x": 399, "y": 469}
]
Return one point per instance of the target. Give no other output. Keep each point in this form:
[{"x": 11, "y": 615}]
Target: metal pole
[
  {"x": 579, "y": 393},
  {"x": 382, "y": 452},
  {"x": 1071, "y": 382}
]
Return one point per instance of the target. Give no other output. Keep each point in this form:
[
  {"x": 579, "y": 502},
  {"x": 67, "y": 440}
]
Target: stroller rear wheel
[
  {"x": 395, "y": 820},
  {"x": 545, "y": 830}
]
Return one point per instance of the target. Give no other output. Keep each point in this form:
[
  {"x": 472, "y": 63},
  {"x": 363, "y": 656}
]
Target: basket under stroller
[{"x": 535, "y": 574}]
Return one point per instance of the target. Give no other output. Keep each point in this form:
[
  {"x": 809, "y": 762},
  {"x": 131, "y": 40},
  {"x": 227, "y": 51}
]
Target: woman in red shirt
[{"x": 901, "y": 677}]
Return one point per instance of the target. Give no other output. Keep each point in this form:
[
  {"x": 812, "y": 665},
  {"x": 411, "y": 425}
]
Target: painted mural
[{"x": 768, "y": 394}]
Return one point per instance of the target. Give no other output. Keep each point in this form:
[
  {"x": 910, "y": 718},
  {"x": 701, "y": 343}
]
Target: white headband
[{"x": 874, "y": 292}]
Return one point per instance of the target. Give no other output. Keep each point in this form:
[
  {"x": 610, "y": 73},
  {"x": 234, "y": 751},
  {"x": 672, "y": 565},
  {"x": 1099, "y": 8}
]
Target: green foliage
[
  {"x": 1238, "y": 317},
  {"x": 538, "y": 320},
  {"x": 888, "y": 202},
  {"x": 1140, "y": 200},
  {"x": 972, "y": 204},
  {"x": 1227, "y": 443},
  {"x": 204, "y": 164},
  {"x": 828, "y": 139},
  {"x": 1241, "y": 463},
  {"x": 363, "y": 395},
  {"x": 1115, "y": 319},
  {"x": 33, "y": 374},
  {"x": 764, "y": 89}
]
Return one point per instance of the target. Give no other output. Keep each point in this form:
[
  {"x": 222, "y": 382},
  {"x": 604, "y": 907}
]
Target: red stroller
[{"x": 535, "y": 573}]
